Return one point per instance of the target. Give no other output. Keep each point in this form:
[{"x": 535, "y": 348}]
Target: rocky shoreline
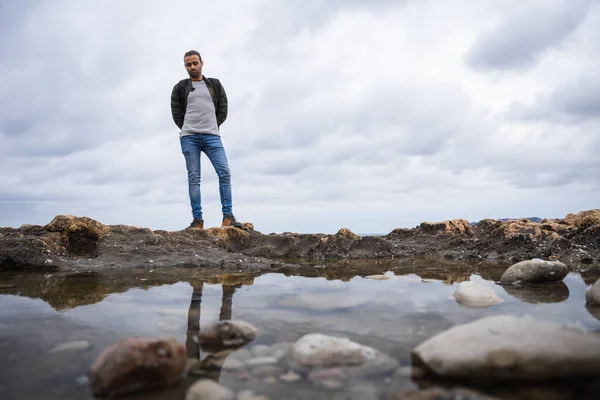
[{"x": 74, "y": 243}]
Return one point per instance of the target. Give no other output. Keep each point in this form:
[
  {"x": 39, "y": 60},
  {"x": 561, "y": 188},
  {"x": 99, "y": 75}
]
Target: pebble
[
  {"x": 76, "y": 345},
  {"x": 592, "y": 294},
  {"x": 475, "y": 294},
  {"x": 535, "y": 271},
  {"x": 207, "y": 389},
  {"x": 290, "y": 376}
]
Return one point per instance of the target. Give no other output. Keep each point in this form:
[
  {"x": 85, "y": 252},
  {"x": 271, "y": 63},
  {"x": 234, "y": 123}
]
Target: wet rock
[
  {"x": 475, "y": 294},
  {"x": 76, "y": 345},
  {"x": 536, "y": 294},
  {"x": 535, "y": 271},
  {"x": 453, "y": 226},
  {"x": 207, "y": 389},
  {"x": 136, "y": 364},
  {"x": 592, "y": 295},
  {"x": 506, "y": 347},
  {"x": 228, "y": 333},
  {"x": 290, "y": 376},
  {"x": 320, "y": 302},
  {"x": 316, "y": 350}
]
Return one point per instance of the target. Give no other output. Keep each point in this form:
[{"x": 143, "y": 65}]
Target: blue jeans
[{"x": 211, "y": 145}]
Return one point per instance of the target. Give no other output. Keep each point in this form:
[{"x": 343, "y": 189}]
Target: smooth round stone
[
  {"x": 592, "y": 295},
  {"x": 505, "y": 347},
  {"x": 207, "y": 389},
  {"x": 290, "y": 376},
  {"x": 474, "y": 294},
  {"x": 228, "y": 333},
  {"x": 535, "y": 271}
]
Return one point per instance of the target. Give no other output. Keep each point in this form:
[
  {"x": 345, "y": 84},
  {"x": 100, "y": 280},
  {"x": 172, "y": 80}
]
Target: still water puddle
[{"x": 90, "y": 311}]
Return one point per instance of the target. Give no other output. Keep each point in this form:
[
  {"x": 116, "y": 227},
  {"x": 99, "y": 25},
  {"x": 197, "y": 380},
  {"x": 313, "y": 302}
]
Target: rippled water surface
[{"x": 40, "y": 311}]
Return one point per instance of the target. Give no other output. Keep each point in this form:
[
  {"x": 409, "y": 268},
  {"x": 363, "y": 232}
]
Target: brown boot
[
  {"x": 229, "y": 220},
  {"x": 196, "y": 224}
]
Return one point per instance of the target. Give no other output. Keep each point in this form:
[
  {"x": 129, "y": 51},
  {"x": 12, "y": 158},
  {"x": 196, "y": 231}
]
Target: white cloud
[{"x": 364, "y": 115}]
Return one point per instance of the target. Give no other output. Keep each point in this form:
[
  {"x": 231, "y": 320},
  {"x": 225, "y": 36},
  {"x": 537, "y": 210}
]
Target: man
[{"x": 199, "y": 107}]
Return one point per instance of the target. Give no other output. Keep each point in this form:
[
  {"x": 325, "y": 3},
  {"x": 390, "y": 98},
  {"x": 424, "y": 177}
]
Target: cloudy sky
[{"x": 368, "y": 115}]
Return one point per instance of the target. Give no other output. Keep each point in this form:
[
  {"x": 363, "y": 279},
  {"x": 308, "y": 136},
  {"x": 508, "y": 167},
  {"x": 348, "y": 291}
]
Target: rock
[
  {"x": 79, "y": 234},
  {"x": 207, "y": 389},
  {"x": 535, "y": 271},
  {"x": 136, "y": 364},
  {"x": 506, "y": 347},
  {"x": 453, "y": 226},
  {"x": 228, "y": 333},
  {"x": 475, "y": 295},
  {"x": 264, "y": 371},
  {"x": 316, "y": 350},
  {"x": 290, "y": 376},
  {"x": 75, "y": 345},
  {"x": 321, "y": 302},
  {"x": 378, "y": 277},
  {"x": 592, "y": 295}
]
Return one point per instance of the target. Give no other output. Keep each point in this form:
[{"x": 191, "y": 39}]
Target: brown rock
[
  {"x": 584, "y": 219},
  {"x": 137, "y": 364},
  {"x": 447, "y": 226},
  {"x": 80, "y": 235},
  {"x": 228, "y": 333},
  {"x": 535, "y": 271},
  {"x": 347, "y": 234}
]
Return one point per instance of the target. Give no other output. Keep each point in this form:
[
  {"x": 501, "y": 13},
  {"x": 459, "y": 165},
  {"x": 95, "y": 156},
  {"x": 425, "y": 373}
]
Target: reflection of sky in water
[{"x": 376, "y": 307}]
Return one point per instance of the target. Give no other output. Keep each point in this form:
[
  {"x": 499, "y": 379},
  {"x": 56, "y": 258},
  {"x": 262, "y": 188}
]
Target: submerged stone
[
  {"x": 228, "y": 333},
  {"x": 207, "y": 389},
  {"x": 535, "y": 271},
  {"x": 506, "y": 347},
  {"x": 475, "y": 294},
  {"x": 136, "y": 364}
]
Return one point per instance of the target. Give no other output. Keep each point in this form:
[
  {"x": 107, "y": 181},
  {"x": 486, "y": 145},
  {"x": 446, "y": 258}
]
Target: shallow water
[{"x": 41, "y": 311}]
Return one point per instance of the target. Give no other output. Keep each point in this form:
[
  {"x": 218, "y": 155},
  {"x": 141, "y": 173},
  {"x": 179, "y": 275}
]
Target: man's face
[{"x": 193, "y": 65}]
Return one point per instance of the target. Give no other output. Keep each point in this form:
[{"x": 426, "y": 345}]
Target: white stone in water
[
  {"x": 75, "y": 345},
  {"x": 592, "y": 295},
  {"x": 207, "y": 389},
  {"x": 476, "y": 294},
  {"x": 318, "y": 350},
  {"x": 535, "y": 271},
  {"x": 506, "y": 347}
]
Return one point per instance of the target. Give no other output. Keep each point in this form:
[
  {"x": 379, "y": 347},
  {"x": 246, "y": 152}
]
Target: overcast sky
[{"x": 369, "y": 115}]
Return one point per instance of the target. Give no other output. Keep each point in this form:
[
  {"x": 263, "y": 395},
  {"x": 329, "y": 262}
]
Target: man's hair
[{"x": 192, "y": 53}]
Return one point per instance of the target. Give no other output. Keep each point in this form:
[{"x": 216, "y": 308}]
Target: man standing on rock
[{"x": 199, "y": 107}]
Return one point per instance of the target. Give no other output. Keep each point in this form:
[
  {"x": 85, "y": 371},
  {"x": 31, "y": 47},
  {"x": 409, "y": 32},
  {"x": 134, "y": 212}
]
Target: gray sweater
[{"x": 200, "y": 112}]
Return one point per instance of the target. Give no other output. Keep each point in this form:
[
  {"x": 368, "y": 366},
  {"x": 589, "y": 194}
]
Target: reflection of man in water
[{"x": 192, "y": 344}]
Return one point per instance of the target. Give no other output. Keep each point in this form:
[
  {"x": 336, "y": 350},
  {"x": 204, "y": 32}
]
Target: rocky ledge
[{"x": 72, "y": 243}]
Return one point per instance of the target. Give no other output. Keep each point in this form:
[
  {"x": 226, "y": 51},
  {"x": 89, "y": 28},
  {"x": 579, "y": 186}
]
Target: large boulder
[
  {"x": 80, "y": 235},
  {"x": 137, "y": 364},
  {"x": 511, "y": 348},
  {"x": 535, "y": 271},
  {"x": 475, "y": 294}
]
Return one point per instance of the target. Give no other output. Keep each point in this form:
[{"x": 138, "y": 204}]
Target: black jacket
[{"x": 183, "y": 88}]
